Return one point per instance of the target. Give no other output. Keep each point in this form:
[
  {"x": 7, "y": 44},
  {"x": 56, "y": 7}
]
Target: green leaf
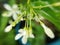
[
  {"x": 50, "y": 18},
  {"x": 4, "y": 21}
]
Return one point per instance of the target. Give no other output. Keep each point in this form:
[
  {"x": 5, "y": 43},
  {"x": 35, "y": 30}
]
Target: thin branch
[{"x": 54, "y": 4}]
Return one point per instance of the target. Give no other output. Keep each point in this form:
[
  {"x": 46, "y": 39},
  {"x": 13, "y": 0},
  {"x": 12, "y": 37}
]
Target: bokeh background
[{"x": 52, "y": 20}]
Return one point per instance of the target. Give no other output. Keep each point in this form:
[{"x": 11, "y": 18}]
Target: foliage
[{"x": 49, "y": 9}]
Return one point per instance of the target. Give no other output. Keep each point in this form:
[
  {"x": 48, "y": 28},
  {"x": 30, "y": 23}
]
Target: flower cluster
[
  {"x": 17, "y": 15},
  {"x": 25, "y": 34}
]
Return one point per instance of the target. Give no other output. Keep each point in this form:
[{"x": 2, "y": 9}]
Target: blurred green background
[{"x": 52, "y": 20}]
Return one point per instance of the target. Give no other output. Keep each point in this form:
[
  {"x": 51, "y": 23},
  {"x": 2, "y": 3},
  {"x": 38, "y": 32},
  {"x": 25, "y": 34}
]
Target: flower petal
[
  {"x": 18, "y": 12},
  {"x": 6, "y": 6},
  {"x": 15, "y": 6},
  {"x": 24, "y": 40},
  {"x": 31, "y": 36},
  {"x": 15, "y": 16},
  {"x": 20, "y": 30},
  {"x": 6, "y": 14},
  {"x": 18, "y": 36},
  {"x": 8, "y": 28},
  {"x": 9, "y": 14},
  {"x": 48, "y": 31}
]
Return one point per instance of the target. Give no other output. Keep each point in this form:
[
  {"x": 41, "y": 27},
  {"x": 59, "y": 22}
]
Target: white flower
[
  {"x": 25, "y": 34},
  {"x": 8, "y": 28},
  {"x": 12, "y": 11},
  {"x": 47, "y": 30}
]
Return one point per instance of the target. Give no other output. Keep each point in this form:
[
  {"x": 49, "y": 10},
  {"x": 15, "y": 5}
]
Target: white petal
[
  {"x": 20, "y": 30},
  {"x": 24, "y": 40},
  {"x": 15, "y": 6},
  {"x": 8, "y": 28},
  {"x": 5, "y": 14},
  {"x": 15, "y": 16},
  {"x": 31, "y": 36},
  {"x": 6, "y": 6},
  {"x": 18, "y": 12},
  {"x": 48, "y": 32},
  {"x": 18, "y": 36},
  {"x": 9, "y": 14}
]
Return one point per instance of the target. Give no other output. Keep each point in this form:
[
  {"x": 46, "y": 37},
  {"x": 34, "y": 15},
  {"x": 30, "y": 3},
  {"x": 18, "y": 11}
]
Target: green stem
[
  {"x": 28, "y": 1},
  {"x": 54, "y": 4},
  {"x": 38, "y": 18},
  {"x": 30, "y": 16}
]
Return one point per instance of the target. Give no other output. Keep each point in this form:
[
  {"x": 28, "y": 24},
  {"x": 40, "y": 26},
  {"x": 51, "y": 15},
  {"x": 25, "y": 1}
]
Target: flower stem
[
  {"x": 54, "y": 4},
  {"x": 28, "y": 1}
]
